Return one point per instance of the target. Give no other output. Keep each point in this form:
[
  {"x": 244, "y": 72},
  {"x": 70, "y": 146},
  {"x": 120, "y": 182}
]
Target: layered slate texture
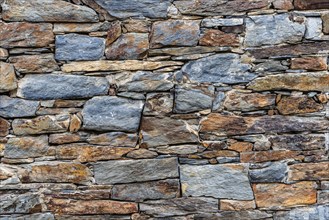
[{"x": 164, "y": 109}]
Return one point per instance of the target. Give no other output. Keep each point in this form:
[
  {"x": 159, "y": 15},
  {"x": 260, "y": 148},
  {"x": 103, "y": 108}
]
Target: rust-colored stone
[
  {"x": 309, "y": 171},
  {"x": 241, "y": 146},
  {"x": 309, "y": 63},
  {"x": 236, "y": 205},
  {"x": 298, "y": 105},
  {"x": 219, "y": 153},
  {"x": 34, "y": 63},
  {"x": 264, "y": 156},
  {"x": 311, "y": 4},
  {"x": 64, "y": 138},
  {"x": 113, "y": 33},
  {"x": 4, "y": 127},
  {"x": 75, "y": 123},
  {"x": 218, "y": 38}
]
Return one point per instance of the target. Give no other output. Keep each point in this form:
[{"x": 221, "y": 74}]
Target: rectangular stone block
[{"x": 309, "y": 171}]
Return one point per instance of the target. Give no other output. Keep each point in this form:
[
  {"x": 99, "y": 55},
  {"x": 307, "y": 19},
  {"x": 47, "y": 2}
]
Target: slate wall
[{"x": 164, "y": 109}]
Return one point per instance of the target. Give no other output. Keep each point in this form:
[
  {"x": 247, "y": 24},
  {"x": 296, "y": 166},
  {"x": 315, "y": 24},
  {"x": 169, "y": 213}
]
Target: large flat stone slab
[{"x": 15, "y": 108}]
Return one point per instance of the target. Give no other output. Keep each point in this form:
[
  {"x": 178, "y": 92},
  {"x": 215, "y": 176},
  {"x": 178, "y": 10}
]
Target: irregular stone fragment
[
  {"x": 128, "y": 46},
  {"x": 240, "y": 101},
  {"x": 137, "y": 26},
  {"x": 158, "y": 104},
  {"x": 320, "y": 212},
  {"x": 65, "y": 138},
  {"x": 219, "y": 68},
  {"x": 291, "y": 81},
  {"x": 106, "y": 65},
  {"x": 34, "y": 63},
  {"x": 325, "y": 21},
  {"x": 219, "y": 154},
  {"x": 241, "y": 146},
  {"x": 213, "y": 37},
  {"x": 3, "y": 54},
  {"x": 235, "y": 205},
  {"x": 163, "y": 189},
  {"x": 219, "y": 181},
  {"x": 264, "y": 156},
  {"x": 15, "y": 108},
  {"x": 217, "y": 104},
  {"x": 80, "y": 27},
  {"x": 272, "y": 29},
  {"x": 114, "y": 32},
  {"x": 279, "y": 196},
  {"x": 270, "y": 66},
  {"x": 56, "y": 172},
  {"x": 314, "y": 4},
  {"x": 75, "y": 123},
  {"x": 84, "y": 193},
  {"x": 225, "y": 215},
  {"x": 179, "y": 149},
  {"x": 309, "y": 63},
  {"x": 298, "y": 105},
  {"x": 219, "y": 7},
  {"x": 4, "y": 127},
  {"x": 175, "y": 33},
  {"x": 11, "y": 203},
  {"x": 112, "y": 113},
  {"x": 323, "y": 197},
  {"x": 193, "y": 98},
  {"x": 7, "y": 77},
  {"x": 309, "y": 171},
  {"x": 61, "y": 86},
  {"x": 179, "y": 206},
  {"x": 26, "y": 147},
  {"x": 22, "y": 34},
  {"x": 283, "y": 4},
  {"x": 79, "y": 47},
  {"x": 91, "y": 207},
  {"x": 313, "y": 28},
  {"x": 297, "y": 142},
  {"x": 115, "y": 139},
  {"x": 142, "y": 154},
  {"x": 136, "y": 8},
  {"x": 220, "y": 22},
  {"x": 164, "y": 131},
  {"x": 46, "y": 11},
  {"x": 269, "y": 173},
  {"x": 223, "y": 125},
  {"x": 128, "y": 171},
  {"x": 41, "y": 125},
  {"x": 88, "y": 153}
]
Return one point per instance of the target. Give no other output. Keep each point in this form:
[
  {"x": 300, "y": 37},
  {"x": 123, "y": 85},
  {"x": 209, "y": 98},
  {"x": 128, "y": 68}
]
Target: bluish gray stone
[
  {"x": 320, "y": 212},
  {"x": 15, "y": 108},
  {"x": 79, "y": 47},
  {"x": 273, "y": 29},
  {"x": 53, "y": 86},
  {"x": 18, "y": 203},
  {"x": 111, "y": 113},
  {"x": 269, "y": 173},
  {"x": 128, "y": 171},
  {"x": 220, "y": 68},
  {"x": 219, "y": 181},
  {"x": 215, "y": 22},
  {"x": 36, "y": 216},
  {"x": 136, "y": 8}
]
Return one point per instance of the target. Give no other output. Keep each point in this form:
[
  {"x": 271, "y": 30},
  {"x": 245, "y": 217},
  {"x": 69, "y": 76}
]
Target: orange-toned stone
[
  {"x": 298, "y": 105},
  {"x": 241, "y": 146},
  {"x": 68, "y": 206},
  {"x": 75, "y": 123},
  {"x": 309, "y": 63},
  {"x": 263, "y": 156},
  {"x": 64, "y": 138},
  {"x": 113, "y": 33},
  {"x": 279, "y": 196},
  {"x": 236, "y": 205},
  {"x": 212, "y": 37},
  {"x": 4, "y": 127},
  {"x": 309, "y": 171},
  {"x": 40, "y": 63},
  {"x": 219, "y": 153}
]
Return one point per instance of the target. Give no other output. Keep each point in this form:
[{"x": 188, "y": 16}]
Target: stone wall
[{"x": 164, "y": 109}]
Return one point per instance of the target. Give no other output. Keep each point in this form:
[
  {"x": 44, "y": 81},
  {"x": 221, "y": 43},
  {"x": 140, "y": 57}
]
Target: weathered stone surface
[
  {"x": 279, "y": 196},
  {"x": 320, "y": 212},
  {"x": 240, "y": 101},
  {"x": 61, "y": 86},
  {"x": 221, "y": 125},
  {"x": 179, "y": 51},
  {"x": 115, "y": 139},
  {"x": 164, "y": 131},
  {"x": 127, "y": 65},
  {"x": 219, "y": 7},
  {"x": 112, "y": 113},
  {"x": 142, "y": 154},
  {"x": 3, "y": 54},
  {"x": 212, "y": 37},
  {"x": 278, "y": 29},
  {"x": 309, "y": 171},
  {"x": 313, "y": 4},
  {"x": 234, "y": 205},
  {"x": 219, "y": 22},
  {"x": 88, "y": 153},
  {"x": 22, "y": 34},
  {"x": 46, "y": 11},
  {"x": 128, "y": 171},
  {"x": 264, "y": 156},
  {"x": 313, "y": 28},
  {"x": 297, "y": 142},
  {"x": 91, "y": 207},
  {"x": 323, "y": 197},
  {"x": 36, "y": 216},
  {"x": 175, "y": 33},
  {"x": 309, "y": 63},
  {"x": 81, "y": 27},
  {"x": 193, "y": 98},
  {"x": 291, "y": 81},
  {"x": 56, "y": 172},
  {"x": 15, "y": 108},
  {"x": 247, "y": 214},
  {"x": 128, "y": 46},
  {"x": 136, "y": 8},
  {"x": 219, "y": 181},
  {"x": 137, "y": 26},
  {"x": 298, "y": 105},
  {"x": 220, "y": 68},
  {"x": 241, "y": 146},
  {"x": 7, "y": 77},
  {"x": 158, "y": 104},
  {"x": 75, "y": 123},
  {"x": 65, "y": 138},
  {"x": 41, "y": 125},
  {"x": 283, "y": 4},
  {"x": 79, "y": 47},
  {"x": 34, "y": 63},
  {"x": 270, "y": 66},
  {"x": 19, "y": 203},
  {"x": 141, "y": 81},
  {"x": 26, "y": 147},
  {"x": 269, "y": 172},
  {"x": 325, "y": 21},
  {"x": 4, "y": 127},
  {"x": 178, "y": 149},
  {"x": 163, "y": 189},
  {"x": 179, "y": 206}
]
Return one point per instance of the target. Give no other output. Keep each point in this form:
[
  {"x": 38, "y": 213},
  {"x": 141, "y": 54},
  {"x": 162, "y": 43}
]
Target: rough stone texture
[
  {"x": 309, "y": 63},
  {"x": 215, "y": 22},
  {"x": 80, "y": 27},
  {"x": 298, "y": 142},
  {"x": 316, "y": 212},
  {"x": 230, "y": 205},
  {"x": 34, "y": 63},
  {"x": 4, "y": 127},
  {"x": 269, "y": 172},
  {"x": 158, "y": 104},
  {"x": 79, "y": 47},
  {"x": 15, "y": 108},
  {"x": 219, "y": 181},
  {"x": 298, "y": 105},
  {"x": 283, "y": 4},
  {"x": 309, "y": 171},
  {"x": 115, "y": 139},
  {"x": 128, "y": 171},
  {"x": 112, "y": 113},
  {"x": 314, "y": 4},
  {"x": 218, "y": 38},
  {"x": 11, "y": 203},
  {"x": 7, "y": 77},
  {"x": 325, "y": 20},
  {"x": 61, "y": 86}
]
